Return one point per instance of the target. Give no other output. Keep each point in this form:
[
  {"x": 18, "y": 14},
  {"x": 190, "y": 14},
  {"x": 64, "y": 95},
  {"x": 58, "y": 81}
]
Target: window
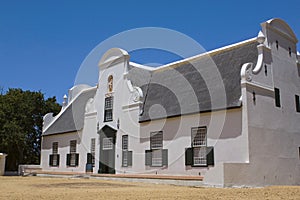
[
  {"x": 107, "y": 143},
  {"x": 93, "y": 146},
  {"x": 199, "y": 154},
  {"x": 297, "y": 102},
  {"x": 277, "y": 44},
  {"x": 73, "y": 146},
  {"x": 54, "y": 157},
  {"x": 73, "y": 157},
  {"x": 156, "y": 140},
  {"x": 126, "y": 155},
  {"x": 290, "y": 51},
  {"x": 156, "y": 156},
  {"x": 108, "y": 108},
  {"x": 55, "y": 148},
  {"x": 199, "y": 145},
  {"x": 277, "y": 97}
]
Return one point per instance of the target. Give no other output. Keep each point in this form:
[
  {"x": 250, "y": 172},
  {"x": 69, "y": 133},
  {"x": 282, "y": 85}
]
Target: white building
[{"x": 230, "y": 115}]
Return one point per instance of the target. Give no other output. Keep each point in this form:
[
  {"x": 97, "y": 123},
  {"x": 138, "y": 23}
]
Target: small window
[
  {"x": 299, "y": 152},
  {"x": 297, "y": 102},
  {"x": 156, "y": 140},
  {"x": 73, "y": 146},
  {"x": 55, "y": 148},
  {"x": 277, "y": 44},
  {"x": 108, "y": 109},
  {"x": 93, "y": 146},
  {"x": 277, "y": 97},
  {"x": 107, "y": 143},
  {"x": 290, "y": 51}
]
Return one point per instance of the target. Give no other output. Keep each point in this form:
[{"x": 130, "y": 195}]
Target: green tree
[{"x": 21, "y": 119}]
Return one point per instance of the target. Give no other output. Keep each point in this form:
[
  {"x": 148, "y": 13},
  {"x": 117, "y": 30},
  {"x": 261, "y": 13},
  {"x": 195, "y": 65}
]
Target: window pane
[
  {"x": 156, "y": 140},
  {"x": 199, "y": 136},
  {"x": 108, "y": 102},
  {"x": 157, "y": 157},
  {"x": 73, "y": 146},
  {"x": 125, "y": 158},
  {"x": 54, "y": 147},
  {"x": 108, "y": 115},
  {"x": 73, "y": 159},
  {"x": 199, "y": 155},
  {"x": 107, "y": 143},
  {"x": 125, "y": 142}
]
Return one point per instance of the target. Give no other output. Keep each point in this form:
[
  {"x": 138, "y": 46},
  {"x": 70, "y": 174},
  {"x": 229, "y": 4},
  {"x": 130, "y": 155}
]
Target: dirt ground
[{"x": 84, "y": 189}]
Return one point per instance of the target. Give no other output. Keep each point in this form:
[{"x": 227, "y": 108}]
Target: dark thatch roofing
[
  {"x": 205, "y": 83},
  {"x": 72, "y": 118}
]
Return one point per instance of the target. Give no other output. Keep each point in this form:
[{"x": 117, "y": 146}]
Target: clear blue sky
[{"x": 43, "y": 43}]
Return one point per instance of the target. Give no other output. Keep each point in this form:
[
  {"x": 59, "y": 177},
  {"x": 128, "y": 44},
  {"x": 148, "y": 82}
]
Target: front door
[{"x": 107, "y": 150}]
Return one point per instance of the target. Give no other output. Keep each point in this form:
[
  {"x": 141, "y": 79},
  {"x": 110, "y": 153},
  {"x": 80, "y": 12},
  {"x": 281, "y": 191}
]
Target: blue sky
[{"x": 43, "y": 43}]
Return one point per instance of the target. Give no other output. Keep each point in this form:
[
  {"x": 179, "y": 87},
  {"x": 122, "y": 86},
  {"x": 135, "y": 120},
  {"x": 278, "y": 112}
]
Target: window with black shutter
[
  {"x": 199, "y": 154},
  {"x": 72, "y": 157},
  {"x": 156, "y": 156},
  {"x": 54, "y": 157}
]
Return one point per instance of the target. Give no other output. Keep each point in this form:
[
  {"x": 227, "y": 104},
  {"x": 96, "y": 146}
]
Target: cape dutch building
[{"x": 230, "y": 115}]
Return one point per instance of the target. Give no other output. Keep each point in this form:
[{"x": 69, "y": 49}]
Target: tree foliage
[{"x": 21, "y": 119}]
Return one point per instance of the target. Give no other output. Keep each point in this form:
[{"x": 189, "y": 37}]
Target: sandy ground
[{"x": 71, "y": 188}]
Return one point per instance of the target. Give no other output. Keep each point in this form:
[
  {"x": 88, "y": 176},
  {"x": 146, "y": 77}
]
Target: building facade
[{"x": 230, "y": 115}]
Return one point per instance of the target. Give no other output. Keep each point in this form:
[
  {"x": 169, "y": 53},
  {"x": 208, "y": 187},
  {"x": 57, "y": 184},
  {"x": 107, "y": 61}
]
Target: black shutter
[
  {"x": 68, "y": 159},
  {"x": 210, "y": 156},
  {"x": 129, "y": 158},
  {"x": 189, "y": 156},
  {"x": 77, "y": 159},
  {"x": 297, "y": 103},
  {"x": 57, "y": 159},
  {"x": 277, "y": 97},
  {"x": 165, "y": 157},
  {"x": 89, "y": 158},
  {"x": 51, "y": 160},
  {"x": 148, "y": 157}
]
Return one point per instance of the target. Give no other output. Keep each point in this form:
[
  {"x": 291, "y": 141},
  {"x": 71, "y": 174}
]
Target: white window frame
[
  {"x": 199, "y": 145},
  {"x": 156, "y": 145}
]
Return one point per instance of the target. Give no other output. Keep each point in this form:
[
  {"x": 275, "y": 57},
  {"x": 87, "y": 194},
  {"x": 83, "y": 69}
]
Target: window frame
[
  {"x": 201, "y": 147},
  {"x": 125, "y": 151},
  {"x": 108, "y": 109},
  {"x": 156, "y": 147},
  {"x": 277, "y": 97},
  {"x": 54, "y": 157},
  {"x": 73, "y": 156}
]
